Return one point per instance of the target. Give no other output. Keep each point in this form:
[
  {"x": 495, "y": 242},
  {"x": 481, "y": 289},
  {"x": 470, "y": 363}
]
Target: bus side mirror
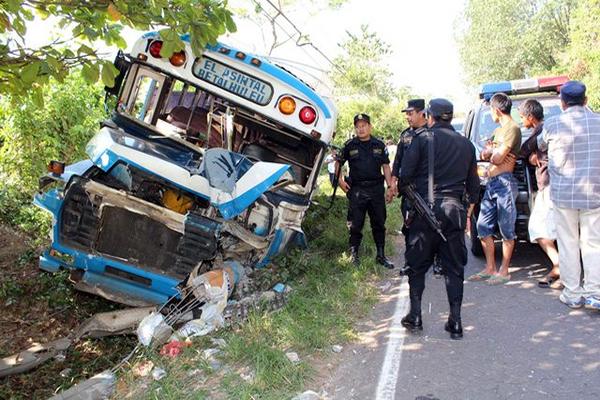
[{"x": 122, "y": 64}]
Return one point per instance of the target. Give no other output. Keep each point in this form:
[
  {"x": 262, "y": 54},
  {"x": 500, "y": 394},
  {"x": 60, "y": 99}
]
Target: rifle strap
[{"x": 430, "y": 155}]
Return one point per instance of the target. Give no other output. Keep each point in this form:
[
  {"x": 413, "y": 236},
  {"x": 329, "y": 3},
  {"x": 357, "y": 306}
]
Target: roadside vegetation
[{"x": 328, "y": 296}]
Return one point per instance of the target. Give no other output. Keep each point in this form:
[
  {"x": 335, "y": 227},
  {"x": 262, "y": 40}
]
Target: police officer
[
  {"x": 417, "y": 122},
  {"x": 454, "y": 173},
  {"x": 366, "y": 157},
  {"x": 415, "y": 116}
]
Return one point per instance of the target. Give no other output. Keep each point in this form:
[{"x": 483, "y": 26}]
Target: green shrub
[{"x": 31, "y": 136}]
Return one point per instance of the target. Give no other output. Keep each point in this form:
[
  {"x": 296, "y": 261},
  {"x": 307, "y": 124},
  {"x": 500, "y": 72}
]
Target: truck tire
[{"x": 476, "y": 248}]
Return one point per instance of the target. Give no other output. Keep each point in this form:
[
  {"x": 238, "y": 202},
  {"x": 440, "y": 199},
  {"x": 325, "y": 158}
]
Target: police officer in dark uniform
[
  {"x": 417, "y": 122},
  {"x": 454, "y": 173},
  {"x": 366, "y": 156}
]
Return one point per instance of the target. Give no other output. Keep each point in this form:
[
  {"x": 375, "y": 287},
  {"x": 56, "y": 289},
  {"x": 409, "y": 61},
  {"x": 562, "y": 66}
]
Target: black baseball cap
[
  {"x": 415, "y": 105},
  {"x": 572, "y": 92},
  {"x": 362, "y": 117},
  {"x": 440, "y": 108}
]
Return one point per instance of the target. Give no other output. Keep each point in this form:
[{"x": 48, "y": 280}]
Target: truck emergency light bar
[{"x": 521, "y": 86}]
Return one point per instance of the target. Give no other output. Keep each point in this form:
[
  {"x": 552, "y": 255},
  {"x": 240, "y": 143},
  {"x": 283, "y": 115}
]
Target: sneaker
[
  {"x": 571, "y": 303},
  {"x": 592, "y": 303}
]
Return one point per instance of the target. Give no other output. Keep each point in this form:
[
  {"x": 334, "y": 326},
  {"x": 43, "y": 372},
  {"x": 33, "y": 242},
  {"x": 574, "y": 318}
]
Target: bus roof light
[
  {"x": 240, "y": 55},
  {"x": 178, "y": 59},
  {"x": 256, "y": 62},
  {"x": 287, "y": 105},
  {"x": 308, "y": 115},
  {"x": 142, "y": 57},
  {"x": 224, "y": 50},
  {"x": 315, "y": 135},
  {"x": 155, "y": 48}
]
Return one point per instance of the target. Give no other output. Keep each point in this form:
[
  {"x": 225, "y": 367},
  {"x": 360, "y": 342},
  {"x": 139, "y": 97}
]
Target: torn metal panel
[
  {"x": 32, "y": 357},
  {"x": 99, "y": 387},
  {"x": 111, "y": 323}
]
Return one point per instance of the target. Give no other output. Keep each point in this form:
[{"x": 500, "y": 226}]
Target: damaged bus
[{"x": 207, "y": 162}]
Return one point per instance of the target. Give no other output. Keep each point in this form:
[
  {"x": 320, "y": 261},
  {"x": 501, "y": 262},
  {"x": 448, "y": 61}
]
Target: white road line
[{"x": 388, "y": 377}]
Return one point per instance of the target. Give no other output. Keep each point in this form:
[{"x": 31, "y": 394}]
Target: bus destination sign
[{"x": 233, "y": 80}]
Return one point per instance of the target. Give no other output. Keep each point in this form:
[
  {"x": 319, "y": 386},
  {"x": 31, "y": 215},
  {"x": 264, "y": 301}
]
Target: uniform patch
[
  {"x": 353, "y": 152},
  {"x": 377, "y": 151},
  {"x": 407, "y": 139}
]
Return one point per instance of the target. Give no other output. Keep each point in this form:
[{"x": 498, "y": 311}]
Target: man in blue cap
[
  {"x": 573, "y": 143},
  {"x": 443, "y": 168}
]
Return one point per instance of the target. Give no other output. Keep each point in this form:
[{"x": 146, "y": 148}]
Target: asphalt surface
[{"x": 520, "y": 342}]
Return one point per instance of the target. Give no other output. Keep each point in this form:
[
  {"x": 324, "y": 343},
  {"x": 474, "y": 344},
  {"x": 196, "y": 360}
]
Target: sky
[{"x": 420, "y": 33}]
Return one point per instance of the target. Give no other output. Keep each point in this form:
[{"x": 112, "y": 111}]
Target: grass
[{"x": 329, "y": 296}]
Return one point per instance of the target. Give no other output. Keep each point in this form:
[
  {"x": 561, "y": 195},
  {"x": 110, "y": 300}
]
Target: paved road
[{"x": 520, "y": 343}]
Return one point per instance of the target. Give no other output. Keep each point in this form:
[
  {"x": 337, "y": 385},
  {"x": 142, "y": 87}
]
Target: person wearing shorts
[{"x": 498, "y": 205}]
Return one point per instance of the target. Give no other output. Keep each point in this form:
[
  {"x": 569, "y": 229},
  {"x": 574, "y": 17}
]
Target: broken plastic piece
[{"x": 152, "y": 327}]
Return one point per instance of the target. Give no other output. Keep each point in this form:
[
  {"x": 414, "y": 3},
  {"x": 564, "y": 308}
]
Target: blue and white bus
[{"x": 206, "y": 161}]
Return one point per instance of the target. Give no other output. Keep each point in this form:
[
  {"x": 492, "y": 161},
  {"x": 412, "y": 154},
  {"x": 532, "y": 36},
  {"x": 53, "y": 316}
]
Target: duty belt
[{"x": 373, "y": 182}]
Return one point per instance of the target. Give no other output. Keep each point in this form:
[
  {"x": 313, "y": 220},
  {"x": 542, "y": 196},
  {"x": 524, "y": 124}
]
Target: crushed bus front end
[{"x": 183, "y": 179}]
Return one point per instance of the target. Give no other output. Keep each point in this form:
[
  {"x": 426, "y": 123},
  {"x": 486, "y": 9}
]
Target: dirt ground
[{"x": 38, "y": 307}]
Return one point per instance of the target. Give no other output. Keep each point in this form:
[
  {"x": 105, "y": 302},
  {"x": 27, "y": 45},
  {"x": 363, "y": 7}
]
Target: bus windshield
[{"x": 215, "y": 101}]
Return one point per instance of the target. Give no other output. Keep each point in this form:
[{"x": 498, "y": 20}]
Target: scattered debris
[
  {"x": 32, "y": 357},
  {"x": 142, "y": 368},
  {"x": 218, "y": 342},
  {"x": 152, "y": 327},
  {"x": 173, "y": 348},
  {"x": 308, "y": 395},
  {"x": 98, "y": 387},
  {"x": 210, "y": 353},
  {"x": 279, "y": 288},
  {"x": 293, "y": 357},
  {"x": 337, "y": 348},
  {"x": 247, "y": 375},
  {"x": 65, "y": 372},
  {"x": 158, "y": 373}
]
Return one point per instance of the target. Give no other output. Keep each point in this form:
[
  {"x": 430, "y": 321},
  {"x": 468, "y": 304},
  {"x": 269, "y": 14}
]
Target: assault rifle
[{"x": 422, "y": 208}]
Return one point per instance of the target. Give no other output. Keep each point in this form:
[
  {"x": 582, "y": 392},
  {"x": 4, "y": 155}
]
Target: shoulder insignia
[
  {"x": 377, "y": 151},
  {"x": 420, "y": 130}
]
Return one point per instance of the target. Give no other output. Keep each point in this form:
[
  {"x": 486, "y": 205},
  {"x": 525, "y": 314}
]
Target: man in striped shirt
[{"x": 573, "y": 143}]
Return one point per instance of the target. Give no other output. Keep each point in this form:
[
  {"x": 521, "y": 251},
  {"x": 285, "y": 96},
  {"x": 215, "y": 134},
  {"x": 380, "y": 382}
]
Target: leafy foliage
[
  {"x": 363, "y": 83},
  {"x": 512, "y": 39},
  {"x": 582, "y": 56},
  {"x": 23, "y": 68},
  {"x": 31, "y": 136}
]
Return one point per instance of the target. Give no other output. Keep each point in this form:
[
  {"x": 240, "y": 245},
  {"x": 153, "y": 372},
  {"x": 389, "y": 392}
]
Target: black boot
[
  {"x": 438, "y": 272},
  {"x": 382, "y": 259},
  {"x": 412, "y": 321},
  {"x": 455, "y": 329},
  {"x": 354, "y": 255},
  {"x": 454, "y": 324}
]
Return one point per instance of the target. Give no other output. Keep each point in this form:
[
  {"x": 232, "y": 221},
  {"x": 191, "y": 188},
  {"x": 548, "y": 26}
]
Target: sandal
[
  {"x": 547, "y": 280},
  {"x": 478, "y": 277},
  {"x": 498, "y": 280}
]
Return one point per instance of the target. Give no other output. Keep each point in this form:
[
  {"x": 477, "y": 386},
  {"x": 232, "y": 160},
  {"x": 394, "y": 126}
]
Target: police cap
[
  {"x": 415, "y": 105},
  {"x": 362, "y": 117},
  {"x": 440, "y": 108},
  {"x": 572, "y": 93}
]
